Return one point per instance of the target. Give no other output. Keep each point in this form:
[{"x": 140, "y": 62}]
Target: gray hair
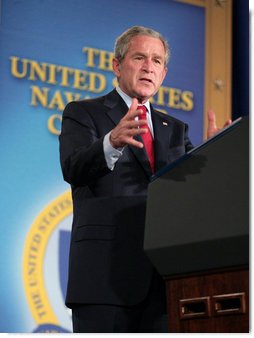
[{"x": 122, "y": 42}]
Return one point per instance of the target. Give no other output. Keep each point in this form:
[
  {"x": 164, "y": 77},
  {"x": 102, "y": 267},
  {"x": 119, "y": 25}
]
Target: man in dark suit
[{"x": 112, "y": 286}]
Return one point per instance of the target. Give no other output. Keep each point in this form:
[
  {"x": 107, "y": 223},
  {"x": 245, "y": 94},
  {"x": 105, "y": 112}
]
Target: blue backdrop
[{"x": 42, "y": 47}]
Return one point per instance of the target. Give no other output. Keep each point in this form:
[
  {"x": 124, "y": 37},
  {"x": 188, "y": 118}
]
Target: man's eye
[{"x": 157, "y": 61}]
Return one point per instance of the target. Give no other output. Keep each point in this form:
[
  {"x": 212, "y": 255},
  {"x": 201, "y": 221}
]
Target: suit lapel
[
  {"x": 162, "y": 132},
  {"x": 117, "y": 105}
]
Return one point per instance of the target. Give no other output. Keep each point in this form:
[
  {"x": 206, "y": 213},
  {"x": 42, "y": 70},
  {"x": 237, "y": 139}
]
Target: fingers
[
  {"x": 133, "y": 111},
  {"x": 129, "y": 127},
  {"x": 125, "y": 136},
  {"x": 212, "y": 126},
  {"x": 134, "y": 105},
  {"x": 227, "y": 123},
  {"x": 212, "y": 118},
  {"x": 211, "y": 115},
  {"x": 135, "y": 124},
  {"x": 130, "y": 140}
]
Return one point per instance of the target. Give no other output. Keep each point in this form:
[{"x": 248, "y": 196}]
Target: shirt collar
[{"x": 128, "y": 100}]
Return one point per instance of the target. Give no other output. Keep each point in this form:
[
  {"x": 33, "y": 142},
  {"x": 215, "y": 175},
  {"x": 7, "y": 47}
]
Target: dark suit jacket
[{"x": 107, "y": 264}]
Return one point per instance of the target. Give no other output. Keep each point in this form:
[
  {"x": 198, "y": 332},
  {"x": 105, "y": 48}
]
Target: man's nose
[{"x": 148, "y": 65}]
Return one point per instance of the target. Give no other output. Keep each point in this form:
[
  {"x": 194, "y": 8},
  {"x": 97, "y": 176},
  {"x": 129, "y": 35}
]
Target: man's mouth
[{"x": 146, "y": 80}]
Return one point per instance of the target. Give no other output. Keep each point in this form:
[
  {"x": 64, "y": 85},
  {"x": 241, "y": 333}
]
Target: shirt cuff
[{"x": 111, "y": 154}]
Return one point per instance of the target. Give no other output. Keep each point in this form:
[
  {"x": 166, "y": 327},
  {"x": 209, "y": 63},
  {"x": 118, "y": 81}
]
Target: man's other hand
[{"x": 212, "y": 126}]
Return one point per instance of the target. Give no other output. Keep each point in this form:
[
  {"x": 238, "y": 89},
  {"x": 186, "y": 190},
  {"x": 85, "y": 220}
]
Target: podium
[{"x": 197, "y": 234}]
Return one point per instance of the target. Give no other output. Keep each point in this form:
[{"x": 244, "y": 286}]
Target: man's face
[{"x": 142, "y": 70}]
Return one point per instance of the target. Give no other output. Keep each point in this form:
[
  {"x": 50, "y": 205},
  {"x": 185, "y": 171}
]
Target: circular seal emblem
[{"x": 44, "y": 271}]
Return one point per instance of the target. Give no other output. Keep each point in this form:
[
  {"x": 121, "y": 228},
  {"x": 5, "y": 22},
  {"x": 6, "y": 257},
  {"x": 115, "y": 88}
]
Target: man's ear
[{"x": 116, "y": 67}]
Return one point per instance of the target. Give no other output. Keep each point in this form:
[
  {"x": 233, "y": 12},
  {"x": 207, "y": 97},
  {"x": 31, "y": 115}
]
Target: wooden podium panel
[{"x": 212, "y": 302}]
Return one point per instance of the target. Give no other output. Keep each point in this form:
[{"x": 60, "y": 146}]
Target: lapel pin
[{"x": 165, "y": 123}]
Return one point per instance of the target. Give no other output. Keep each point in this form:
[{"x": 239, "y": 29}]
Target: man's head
[
  {"x": 141, "y": 55},
  {"x": 122, "y": 42}
]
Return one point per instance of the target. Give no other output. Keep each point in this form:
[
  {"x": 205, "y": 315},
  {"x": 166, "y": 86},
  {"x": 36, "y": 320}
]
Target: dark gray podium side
[{"x": 197, "y": 226}]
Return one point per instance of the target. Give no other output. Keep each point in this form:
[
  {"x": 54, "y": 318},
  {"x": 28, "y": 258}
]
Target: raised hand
[
  {"x": 212, "y": 126},
  {"x": 123, "y": 134}
]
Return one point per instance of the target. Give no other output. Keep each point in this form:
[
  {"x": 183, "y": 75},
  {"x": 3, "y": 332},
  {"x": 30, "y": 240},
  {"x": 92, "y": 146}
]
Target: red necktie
[{"x": 147, "y": 138}]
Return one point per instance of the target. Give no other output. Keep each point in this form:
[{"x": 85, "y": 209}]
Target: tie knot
[{"x": 142, "y": 116}]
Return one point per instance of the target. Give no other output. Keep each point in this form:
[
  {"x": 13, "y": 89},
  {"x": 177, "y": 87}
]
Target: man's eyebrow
[
  {"x": 158, "y": 56},
  {"x": 139, "y": 53},
  {"x": 145, "y": 54}
]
